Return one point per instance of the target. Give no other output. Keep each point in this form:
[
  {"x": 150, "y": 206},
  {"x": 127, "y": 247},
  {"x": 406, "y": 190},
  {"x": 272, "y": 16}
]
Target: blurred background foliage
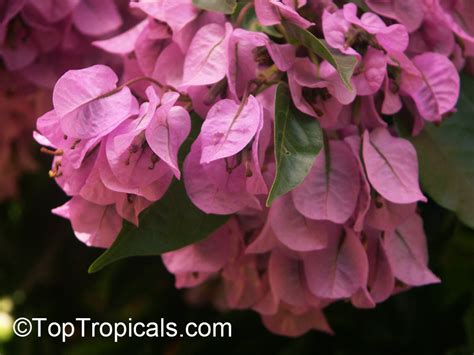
[{"x": 43, "y": 271}]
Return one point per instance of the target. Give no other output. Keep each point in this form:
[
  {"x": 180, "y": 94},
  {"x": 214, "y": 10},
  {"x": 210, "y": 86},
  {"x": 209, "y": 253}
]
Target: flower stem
[
  {"x": 131, "y": 82},
  {"x": 242, "y": 14}
]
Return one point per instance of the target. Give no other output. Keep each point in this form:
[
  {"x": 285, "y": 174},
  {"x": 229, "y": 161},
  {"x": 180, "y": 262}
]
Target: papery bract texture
[
  {"x": 438, "y": 90},
  {"x": 229, "y": 127},
  {"x": 83, "y": 114},
  {"x": 205, "y": 61},
  {"x": 407, "y": 253},
  {"x": 392, "y": 166},
  {"x": 328, "y": 192},
  {"x": 339, "y": 270}
]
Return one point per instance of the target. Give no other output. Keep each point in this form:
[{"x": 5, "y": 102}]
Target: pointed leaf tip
[
  {"x": 344, "y": 64},
  {"x": 298, "y": 139}
]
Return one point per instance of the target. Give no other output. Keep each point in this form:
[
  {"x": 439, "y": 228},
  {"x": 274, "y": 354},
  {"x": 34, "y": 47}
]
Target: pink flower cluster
[
  {"x": 350, "y": 230},
  {"x": 39, "y": 41},
  {"x": 114, "y": 156}
]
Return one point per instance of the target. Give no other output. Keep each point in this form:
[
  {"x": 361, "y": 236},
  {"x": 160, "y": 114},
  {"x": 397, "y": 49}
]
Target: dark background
[{"x": 43, "y": 270}]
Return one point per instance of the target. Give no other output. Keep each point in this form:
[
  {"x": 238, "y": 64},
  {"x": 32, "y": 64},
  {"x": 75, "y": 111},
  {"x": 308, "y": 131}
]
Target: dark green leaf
[
  {"x": 446, "y": 156},
  {"x": 223, "y": 6},
  {"x": 458, "y": 263},
  {"x": 169, "y": 224},
  {"x": 344, "y": 64},
  {"x": 298, "y": 139}
]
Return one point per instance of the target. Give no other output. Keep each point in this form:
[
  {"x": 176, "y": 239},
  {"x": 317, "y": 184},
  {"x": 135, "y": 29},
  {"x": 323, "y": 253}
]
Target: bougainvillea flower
[
  {"x": 82, "y": 111},
  {"x": 457, "y": 14},
  {"x": 129, "y": 207},
  {"x": 152, "y": 182},
  {"x": 184, "y": 37},
  {"x": 97, "y": 17},
  {"x": 431, "y": 37},
  {"x": 229, "y": 127},
  {"x": 93, "y": 224},
  {"x": 148, "y": 143},
  {"x": 250, "y": 53},
  {"x": 364, "y": 199},
  {"x": 218, "y": 187},
  {"x": 343, "y": 30},
  {"x": 168, "y": 130},
  {"x": 392, "y": 102},
  {"x": 50, "y": 129},
  {"x": 407, "y": 253},
  {"x": 171, "y": 58},
  {"x": 48, "y": 126},
  {"x": 123, "y": 43},
  {"x": 371, "y": 72},
  {"x": 407, "y": 12},
  {"x": 266, "y": 12},
  {"x": 437, "y": 89},
  {"x": 339, "y": 270},
  {"x": 393, "y": 38},
  {"x": 255, "y": 160},
  {"x": 53, "y": 10},
  {"x": 205, "y": 61},
  {"x": 94, "y": 190},
  {"x": 381, "y": 281},
  {"x": 387, "y": 216},
  {"x": 205, "y": 257},
  {"x": 294, "y": 230},
  {"x": 392, "y": 166},
  {"x": 271, "y": 12},
  {"x": 328, "y": 192},
  {"x": 318, "y": 92},
  {"x": 369, "y": 116},
  {"x": 286, "y": 275},
  {"x": 149, "y": 45},
  {"x": 286, "y": 278},
  {"x": 176, "y": 13}
]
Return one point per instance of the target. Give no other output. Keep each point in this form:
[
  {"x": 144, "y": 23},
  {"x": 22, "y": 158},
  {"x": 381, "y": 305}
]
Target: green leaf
[
  {"x": 223, "y": 6},
  {"x": 298, "y": 139},
  {"x": 446, "y": 156},
  {"x": 169, "y": 224},
  {"x": 344, "y": 64},
  {"x": 458, "y": 264}
]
